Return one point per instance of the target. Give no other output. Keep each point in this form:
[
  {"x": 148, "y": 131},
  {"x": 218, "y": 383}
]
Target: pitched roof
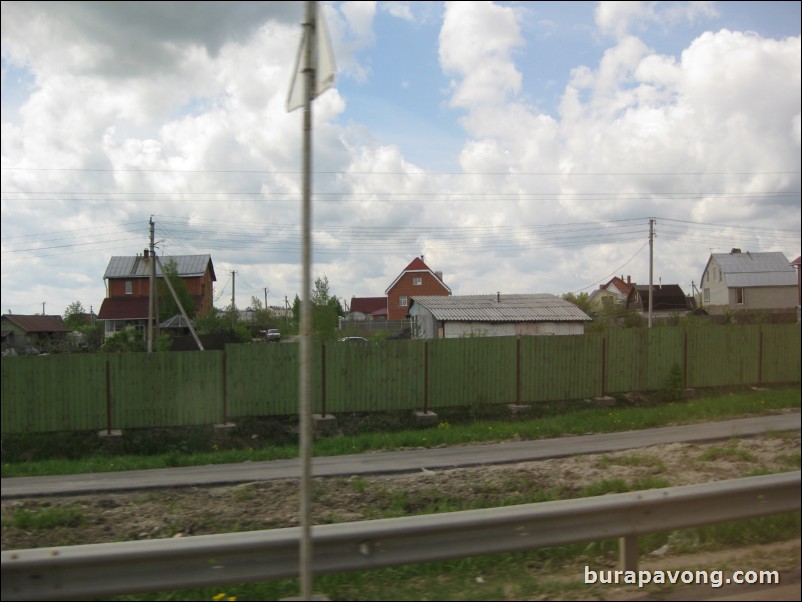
[
  {"x": 418, "y": 265},
  {"x": 619, "y": 284},
  {"x": 665, "y": 297},
  {"x": 139, "y": 266},
  {"x": 38, "y": 323},
  {"x": 123, "y": 308},
  {"x": 755, "y": 269},
  {"x": 369, "y": 305},
  {"x": 502, "y": 308}
]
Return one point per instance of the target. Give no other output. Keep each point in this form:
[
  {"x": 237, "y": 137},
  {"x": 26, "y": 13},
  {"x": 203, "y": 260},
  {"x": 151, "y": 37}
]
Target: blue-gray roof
[
  {"x": 502, "y": 308},
  {"x": 756, "y": 269},
  {"x": 139, "y": 267}
]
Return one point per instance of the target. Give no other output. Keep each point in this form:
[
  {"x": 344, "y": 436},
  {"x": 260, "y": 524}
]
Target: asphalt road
[{"x": 394, "y": 462}]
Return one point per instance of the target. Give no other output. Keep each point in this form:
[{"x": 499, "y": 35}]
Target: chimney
[
  {"x": 734, "y": 251},
  {"x": 146, "y": 254},
  {"x": 498, "y": 296},
  {"x": 439, "y": 276},
  {"x": 629, "y": 279}
]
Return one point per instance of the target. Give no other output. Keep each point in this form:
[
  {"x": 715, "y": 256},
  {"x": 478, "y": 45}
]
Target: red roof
[
  {"x": 124, "y": 308},
  {"x": 624, "y": 287},
  {"x": 38, "y": 323},
  {"x": 370, "y": 306},
  {"x": 416, "y": 264}
]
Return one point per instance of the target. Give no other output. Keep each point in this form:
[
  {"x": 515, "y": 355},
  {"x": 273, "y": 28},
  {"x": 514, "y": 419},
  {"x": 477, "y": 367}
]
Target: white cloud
[
  {"x": 195, "y": 140},
  {"x": 620, "y": 19},
  {"x": 476, "y": 42}
]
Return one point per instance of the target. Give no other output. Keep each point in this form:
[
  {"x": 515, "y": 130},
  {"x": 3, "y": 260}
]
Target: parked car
[
  {"x": 353, "y": 340},
  {"x": 271, "y": 334}
]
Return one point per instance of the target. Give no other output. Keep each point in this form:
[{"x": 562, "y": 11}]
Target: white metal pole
[{"x": 305, "y": 568}]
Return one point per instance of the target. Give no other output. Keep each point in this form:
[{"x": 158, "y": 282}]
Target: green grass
[
  {"x": 545, "y": 422},
  {"x": 46, "y": 518}
]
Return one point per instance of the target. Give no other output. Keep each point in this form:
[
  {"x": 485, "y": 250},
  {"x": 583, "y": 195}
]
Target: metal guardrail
[{"x": 91, "y": 571}]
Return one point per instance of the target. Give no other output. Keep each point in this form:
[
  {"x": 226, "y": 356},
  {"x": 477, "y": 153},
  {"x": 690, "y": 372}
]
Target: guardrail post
[{"x": 628, "y": 552}]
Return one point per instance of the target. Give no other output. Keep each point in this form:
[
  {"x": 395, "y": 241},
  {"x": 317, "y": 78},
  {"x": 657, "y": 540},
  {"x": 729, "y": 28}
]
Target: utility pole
[
  {"x": 266, "y": 289},
  {"x": 43, "y": 308},
  {"x": 651, "y": 265},
  {"x": 151, "y": 288},
  {"x": 233, "y": 304}
]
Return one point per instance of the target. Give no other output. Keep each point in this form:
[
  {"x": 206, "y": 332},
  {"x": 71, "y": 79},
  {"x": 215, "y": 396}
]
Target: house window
[
  {"x": 417, "y": 281},
  {"x": 402, "y": 301},
  {"x": 739, "y": 296},
  {"x": 129, "y": 287},
  {"x": 707, "y": 295}
]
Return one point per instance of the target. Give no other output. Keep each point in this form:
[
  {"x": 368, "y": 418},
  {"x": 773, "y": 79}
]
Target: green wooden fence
[{"x": 135, "y": 390}]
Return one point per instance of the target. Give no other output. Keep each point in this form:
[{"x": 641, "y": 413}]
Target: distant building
[
  {"x": 446, "y": 317},
  {"x": 612, "y": 294},
  {"x": 128, "y": 288},
  {"x": 416, "y": 280},
  {"x": 737, "y": 281},
  {"x": 21, "y": 331},
  {"x": 368, "y": 308},
  {"x": 667, "y": 300}
]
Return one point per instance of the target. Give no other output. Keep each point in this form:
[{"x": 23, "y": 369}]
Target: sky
[{"x": 519, "y": 147}]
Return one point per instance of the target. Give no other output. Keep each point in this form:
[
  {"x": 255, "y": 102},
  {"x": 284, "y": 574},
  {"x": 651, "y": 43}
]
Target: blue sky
[{"x": 519, "y": 146}]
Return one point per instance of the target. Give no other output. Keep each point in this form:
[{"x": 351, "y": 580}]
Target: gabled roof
[
  {"x": 370, "y": 306},
  {"x": 754, "y": 269},
  {"x": 665, "y": 297},
  {"x": 187, "y": 266},
  {"x": 37, "y": 323},
  {"x": 502, "y": 308},
  {"x": 619, "y": 284},
  {"x": 417, "y": 265}
]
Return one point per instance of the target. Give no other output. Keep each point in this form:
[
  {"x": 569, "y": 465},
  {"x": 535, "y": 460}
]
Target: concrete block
[
  {"x": 228, "y": 426},
  {"x": 109, "y": 434},
  {"x": 324, "y": 424},
  {"x": 426, "y": 417},
  {"x": 518, "y": 407},
  {"x": 604, "y": 402}
]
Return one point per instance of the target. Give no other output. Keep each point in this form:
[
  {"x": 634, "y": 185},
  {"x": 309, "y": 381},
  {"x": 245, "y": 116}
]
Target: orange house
[{"x": 417, "y": 279}]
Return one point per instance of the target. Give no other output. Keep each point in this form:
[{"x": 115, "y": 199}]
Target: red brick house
[
  {"x": 128, "y": 288},
  {"x": 417, "y": 279},
  {"x": 368, "y": 308}
]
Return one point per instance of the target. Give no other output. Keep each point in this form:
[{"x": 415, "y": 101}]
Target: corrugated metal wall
[
  {"x": 70, "y": 392},
  {"x": 161, "y": 389},
  {"x": 262, "y": 380},
  {"x": 53, "y": 393},
  {"x": 471, "y": 371}
]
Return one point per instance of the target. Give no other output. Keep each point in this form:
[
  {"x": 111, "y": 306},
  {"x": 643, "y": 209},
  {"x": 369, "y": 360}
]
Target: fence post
[
  {"x": 323, "y": 377},
  {"x": 225, "y": 388},
  {"x": 603, "y": 366},
  {"x": 760, "y": 359},
  {"x": 108, "y": 397},
  {"x": 685, "y": 358},
  {"x": 518, "y": 369},
  {"x": 426, "y": 377}
]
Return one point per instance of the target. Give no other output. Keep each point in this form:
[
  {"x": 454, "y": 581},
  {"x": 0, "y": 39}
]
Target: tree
[
  {"x": 262, "y": 317},
  {"x": 326, "y": 310},
  {"x": 582, "y": 301},
  {"x": 75, "y": 315},
  {"x": 167, "y": 305}
]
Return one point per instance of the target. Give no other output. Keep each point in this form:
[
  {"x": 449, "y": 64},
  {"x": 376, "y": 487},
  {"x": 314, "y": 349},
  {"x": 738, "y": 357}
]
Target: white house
[
  {"x": 446, "y": 317},
  {"x": 748, "y": 281}
]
